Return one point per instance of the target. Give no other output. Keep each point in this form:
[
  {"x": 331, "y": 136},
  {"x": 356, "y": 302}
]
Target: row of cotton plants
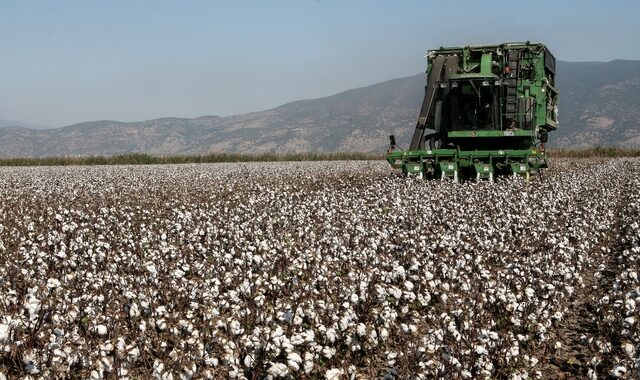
[
  {"x": 616, "y": 339},
  {"x": 301, "y": 270}
]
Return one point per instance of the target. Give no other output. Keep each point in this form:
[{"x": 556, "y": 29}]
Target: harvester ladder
[{"x": 513, "y": 62}]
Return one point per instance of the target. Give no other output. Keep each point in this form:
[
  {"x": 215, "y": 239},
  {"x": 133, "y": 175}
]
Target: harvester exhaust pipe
[{"x": 392, "y": 141}]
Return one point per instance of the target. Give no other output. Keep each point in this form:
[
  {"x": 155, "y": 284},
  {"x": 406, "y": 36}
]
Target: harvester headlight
[
  {"x": 485, "y": 82},
  {"x": 454, "y": 84},
  {"x": 444, "y": 85}
]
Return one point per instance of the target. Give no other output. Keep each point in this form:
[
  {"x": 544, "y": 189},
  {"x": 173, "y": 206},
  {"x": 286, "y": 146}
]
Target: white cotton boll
[
  {"x": 158, "y": 368},
  {"x": 530, "y": 293},
  {"x": 160, "y": 311},
  {"x": 293, "y": 361},
  {"x": 5, "y": 331},
  {"x": 33, "y": 306},
  {"x": 630, "y": 305},
  {"x": 344, "y": 323},
  {"x": 328, "y": 352},
  {"x": 130, "y": 295},
  {"x": 480, "y": 350},
  {"x": 618, "y": 371},
  {"x": 101, "y": 329},
  {"x": 120, "y": 344},
  {"x": 354, "y": 298},
  {"x": 278, "y": 370},
  {"x": 308, "y": 362},
  {"x": 234, "y": 373},
  {"x": 399, "y": 272},
  {"x": 309, "y": 336},
  {"x": 161, "y": 324},
  {"x": 259, "y": 300},
  {"x": 235, "y": 327},
  {"x": 178, "y": 273},
  {"x": 249, "y": 361},
  {"x": 384, "y": 334},
  {"x": 107, "y": 347},
  {"x": 629, "y": 349},
  {"x": 333, "y": 374},
  {"x": 297, "y": 340},
  {"x": 408, "y": 285},
  {"x": 134, "y": 310},
  {"x": 134, "y": 352},
  {"x": 95, "y": 375},
  {"x": 151, "y": 268},
  {"x": 361, "y": 329},
  {"x": 53, "y": 283},
  {"x": 331, "y": 335}
]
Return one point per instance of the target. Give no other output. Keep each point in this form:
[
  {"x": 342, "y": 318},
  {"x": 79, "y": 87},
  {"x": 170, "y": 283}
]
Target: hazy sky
[{"x": 63, "y": 62}]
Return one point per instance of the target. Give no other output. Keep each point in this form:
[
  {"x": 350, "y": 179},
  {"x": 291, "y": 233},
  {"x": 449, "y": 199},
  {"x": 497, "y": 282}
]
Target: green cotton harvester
[{"x": 487, "y": 111}]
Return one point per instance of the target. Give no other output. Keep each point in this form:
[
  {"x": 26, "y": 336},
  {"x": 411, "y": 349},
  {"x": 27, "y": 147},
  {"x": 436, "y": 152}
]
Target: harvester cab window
[{"x": 472, "y": 106}]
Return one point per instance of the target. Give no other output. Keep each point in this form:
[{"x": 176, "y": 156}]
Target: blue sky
[{"x": 63, "y": 62}]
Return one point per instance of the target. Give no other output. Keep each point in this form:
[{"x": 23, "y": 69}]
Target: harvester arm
[{"x": 441, "y": 64}]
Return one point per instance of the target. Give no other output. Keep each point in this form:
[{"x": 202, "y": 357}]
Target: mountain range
[{"x": 599, "y": 106}]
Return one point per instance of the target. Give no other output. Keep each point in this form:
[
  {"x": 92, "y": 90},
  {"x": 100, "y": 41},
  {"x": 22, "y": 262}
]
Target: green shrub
[{"x": 147, "y": 159}]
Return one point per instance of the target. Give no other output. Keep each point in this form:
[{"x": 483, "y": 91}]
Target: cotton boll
[
  {"x": 333, "y": 374},
  {"x": 618, "y": 371},
  {"x": 293, "y": 361},
  {"x": 4, "y": 332},
  {"x": 101, "y": 329},
  {"x": 308, "y": 362},
  {"x": 53, "y": 283},
  {"x": 331, "y": 335},
  {"x": 134, "y": 310},
  {"x": 530, "y": 293},
  {"x": 384, "y": 334},
  {"x": 328, "y": 352},
  {"x": 278, "y": 370},
  {"x": 629, "y": 349},
  {"x": 249, "y": 361}
]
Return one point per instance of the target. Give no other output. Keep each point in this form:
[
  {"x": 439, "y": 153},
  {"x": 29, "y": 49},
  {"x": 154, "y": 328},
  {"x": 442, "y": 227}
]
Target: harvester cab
[{"x": 487, "y": 111}]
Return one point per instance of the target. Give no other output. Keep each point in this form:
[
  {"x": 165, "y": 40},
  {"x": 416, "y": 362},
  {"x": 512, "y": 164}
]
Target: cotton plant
[{"x": 312, "y": 270}]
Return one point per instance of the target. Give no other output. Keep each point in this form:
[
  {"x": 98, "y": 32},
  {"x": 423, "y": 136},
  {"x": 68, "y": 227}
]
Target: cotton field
[{"x": 333, "y": 270}]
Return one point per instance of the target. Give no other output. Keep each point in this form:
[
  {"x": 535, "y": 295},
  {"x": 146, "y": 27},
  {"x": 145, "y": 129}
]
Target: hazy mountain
[
  {"x": 13, "y": 123},
  {"x": 599, "y": 105}
]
